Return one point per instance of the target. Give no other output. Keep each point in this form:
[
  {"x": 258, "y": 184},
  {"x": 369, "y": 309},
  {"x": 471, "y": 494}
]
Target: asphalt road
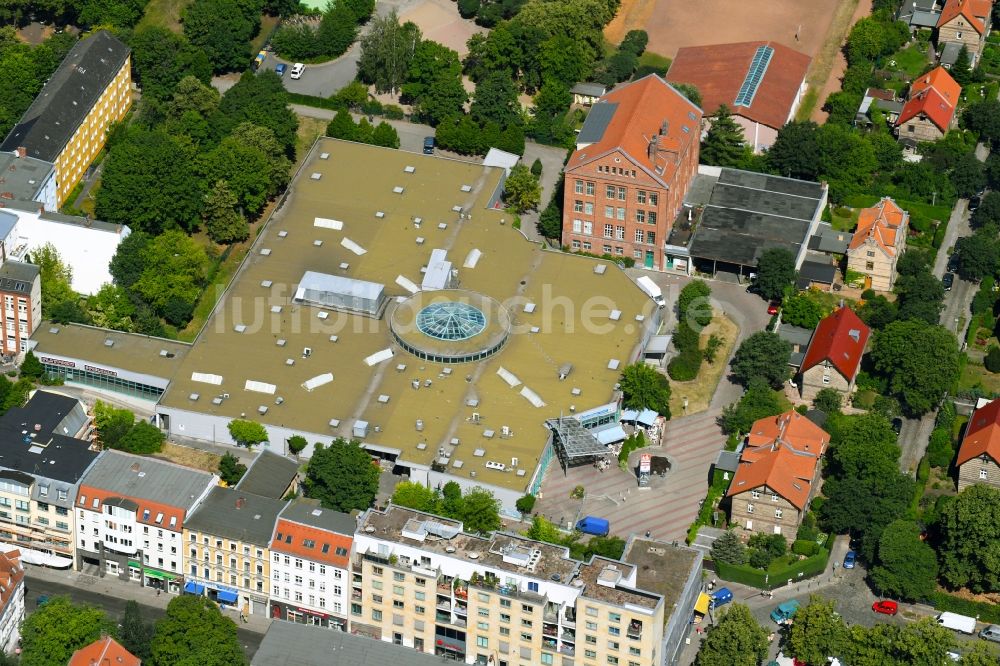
[{"x": 114, "y": 606}]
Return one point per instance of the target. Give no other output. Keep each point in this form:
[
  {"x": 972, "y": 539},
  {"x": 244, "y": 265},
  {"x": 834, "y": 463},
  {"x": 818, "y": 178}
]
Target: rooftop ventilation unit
[
  {"x": 327, "y": 223},
  {"x": 316, "y": 175},
  {"x": 206, "y": 378},
  {"x": 109, "y": 343},
  {"x": 408, "y": 169},
  {"x": 266, "y": 284},
  {"x": 398, "y": 189},
  {"x": 265, "y": 252}
]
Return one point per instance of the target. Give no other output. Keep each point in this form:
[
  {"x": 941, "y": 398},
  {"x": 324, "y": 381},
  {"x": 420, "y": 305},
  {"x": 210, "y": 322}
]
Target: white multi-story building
[
  {"x": 11, "y": 600},
  {"x": 130, "y": 514},
  {"x": 310, "y": 565}
]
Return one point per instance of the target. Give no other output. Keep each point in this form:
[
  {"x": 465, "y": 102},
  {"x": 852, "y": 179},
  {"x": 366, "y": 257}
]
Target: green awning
[
  {"x": 133, "y": 563},
  {"x": 162, "y": 575}
]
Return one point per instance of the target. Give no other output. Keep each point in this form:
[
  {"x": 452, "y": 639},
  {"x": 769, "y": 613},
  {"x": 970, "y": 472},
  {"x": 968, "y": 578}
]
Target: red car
[
  {"x": 772, "y": 307},
  {"x": 885, "y": 607}
]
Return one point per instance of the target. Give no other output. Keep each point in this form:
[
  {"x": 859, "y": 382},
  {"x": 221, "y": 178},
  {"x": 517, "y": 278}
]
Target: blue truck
[
  {"x": 721, "y": 597},
  {"x": 594, "y": 525}
]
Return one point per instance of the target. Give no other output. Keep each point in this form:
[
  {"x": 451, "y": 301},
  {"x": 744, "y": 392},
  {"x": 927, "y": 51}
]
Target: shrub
[
  {"x": 939, "y": 451},
  {"x": 685, "y": 338},
  {"x": 992, "y": 360},
  {"x": 805, "y": 548},
  {"x": 578, "y": 492},
  {"x": 923, "y": 470},
  {"x": 525, "y": 503},
  {"x": 393, "y": 112},
  {"x": 684, "y": 367},
  {"x": 536, "y": 167},
  {"x": 760, "y": 558}
]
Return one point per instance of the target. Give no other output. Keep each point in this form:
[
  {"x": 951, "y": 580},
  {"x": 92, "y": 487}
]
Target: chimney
[
  {"x": 241, "y": 502},
  {"x": 664, "y": 126},
  {"x": 22, "y": 151}
]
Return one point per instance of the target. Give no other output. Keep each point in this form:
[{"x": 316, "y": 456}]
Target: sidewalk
[{"x": 112, "y": 587}]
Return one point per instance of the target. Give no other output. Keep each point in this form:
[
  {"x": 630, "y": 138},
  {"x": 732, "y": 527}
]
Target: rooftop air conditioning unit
[{"x": 307, "y": 352}]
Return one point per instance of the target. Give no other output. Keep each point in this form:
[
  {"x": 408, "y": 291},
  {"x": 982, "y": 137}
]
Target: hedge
[
  {"x": 989, "y": 613},
  {"x": 684, "y": 367},
  {"x": 771, "y": 579}
]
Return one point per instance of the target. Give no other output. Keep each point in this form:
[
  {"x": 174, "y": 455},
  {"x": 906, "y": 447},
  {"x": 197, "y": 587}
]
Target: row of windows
[
  {"x": 104, "y": 382},
  {"x": 586, "y": 228},
  {"x": 311, "y": 599},
  {"x": 777, "y": 512},
  {"x": 587, "y": 246},
  {"x": 616, "y": 192}
]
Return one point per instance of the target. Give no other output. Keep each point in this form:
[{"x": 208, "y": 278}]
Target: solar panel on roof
[{"x": 755, "y": 74}]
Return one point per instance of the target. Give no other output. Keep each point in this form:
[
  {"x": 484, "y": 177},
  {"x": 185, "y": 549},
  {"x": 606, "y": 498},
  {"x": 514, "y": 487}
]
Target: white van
[
  {"x": 956, "y": 622},
  {"x": 297, "y": 70}
]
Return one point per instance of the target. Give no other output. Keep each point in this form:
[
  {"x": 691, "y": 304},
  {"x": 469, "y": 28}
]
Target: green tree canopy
[
  {"x": 736, "y": 640},
  {"x": 801, "y": 310},
  {"x": 178, "y": 256},
  {"x": 231, "y": 470},
  {"x": 161, "y": 58},
  {"x": 907, "y": 566},
  {"x": 56, "y": 278},
  {"x": 259, "y": 99},
  {"x": 522, "y": 191},
  {"x": 693, "y": 305},
  {"x": 645, "y": 388},
  {"x": 920, "y": 362},
  {"x": 495, "y": 100},
  {"x": 387, "y": 50},
  {"x": 728, "y": 548},
  {"x": 136, "y": 634},
  {"x": 51, "y": 634},
  {"x": 143, "y": 438},
  {"x": 223, "y": 30},
  {"x": 195, "y": 633},
  {"x": 223, "y": 222},
  {"x": 969, "y": 539},
  {"x": 247, "y": 433},
  {"x": 112, "y": 424},
  {"x": 775, "y": 272},
  {"x": 817, "y": 632},
  {"x": 724, "y": 144},
  {"x": 416, "y": 496},
  {"x": 828, "y": 400},
  {"x": 342, "y": 476},
  {"x": 763, "y": 355},
  {"x": 757, "y": 402}
]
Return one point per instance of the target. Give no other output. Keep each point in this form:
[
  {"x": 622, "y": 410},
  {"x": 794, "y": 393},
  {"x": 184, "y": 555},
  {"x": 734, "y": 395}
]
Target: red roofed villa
[
  {"x": 762, "y": 83},
  {"x": 834, "y": 355},
  {"x": 979, "y": 455},
  {"x": 964, "y": 23},
  {"x": 635, "y": 158},
  {"x": 777, "y": 474},
  {"x": 104, "y": 652},
  {"x": 930, "y": 111},
  {"x": 878, "y": 243}
]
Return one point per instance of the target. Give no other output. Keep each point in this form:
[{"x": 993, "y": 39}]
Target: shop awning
[
  {"x": 32, "y": 556},
  {"x": 701, "y": 607},
  {"x": 647, "y": 417},
  {"x": 629, "y": 415},
  {"x": 192, "y": 587},
  {"x": 162, "y": 575},
  {"x": 227, "y": 597},
  {"x": 134, "y": 564},
  {"x": 611, "y": 435}
]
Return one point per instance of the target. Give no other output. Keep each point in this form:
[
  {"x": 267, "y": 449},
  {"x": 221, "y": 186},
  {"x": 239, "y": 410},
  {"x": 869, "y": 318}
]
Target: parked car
[
  {"x": 784, "y": 612},
  {"x": 429, "y": 145},
  {"x": 885, "y": 607},
  {"x": 773, "y": 307},
  {"x": 991, "y": 633},
  {"x": 297, "y": 70},
  {"x": 953, "y": 263},
  {"x": 850, "y": 559},
  {"x": 280, "y": 68},
  {"x": 948, "y": 280},
  {"x": 897, "y": 425},
  {"x": 721, "y": 597},
  {"x": 974, "y": 203}
]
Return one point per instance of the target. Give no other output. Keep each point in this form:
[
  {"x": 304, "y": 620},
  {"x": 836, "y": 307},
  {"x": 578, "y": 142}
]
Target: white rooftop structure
[
  {"x": 341, "y": 293},
  {"x": 438, "y": 274},
  {"x": 501, "y": 158}
]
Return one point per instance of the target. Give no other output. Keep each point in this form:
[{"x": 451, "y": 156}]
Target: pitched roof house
[
  {"x": 779, "y": 464},
  {"x": 105, "y": 651},
  {"x": 761, "y": 82},
  {"x": 11, "y": 600},
  {"x": 878, "y": 243},
  {"x": 979, "y": 455},
  {"x": 930, "y": 110},
  {"x": 963, "y": 23},
  {"x": 834, "y": 354}
]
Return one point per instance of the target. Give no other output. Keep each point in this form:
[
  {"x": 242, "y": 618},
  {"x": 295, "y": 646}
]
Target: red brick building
[{"x": 635, "y": 158}]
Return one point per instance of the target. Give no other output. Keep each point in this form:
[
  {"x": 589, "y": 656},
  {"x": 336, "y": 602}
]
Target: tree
[
  {"x": 763, "y": 355},
  {"x": 961, "y": 69},
  {"x": 690, "y": 91},
  {"x": 724, "y": 144},
  {"x": 728, "y": 548},
  {"x": 693, "y": 305},
  {"x": 51, "y": 634},
  {"x": 136, "y": 634},
  {"x": 480, "y": 511},
  {"x": 416, "y": 496},
  {"x": 978, "y": 254},
  {"x": 495, "y": 100},
  {"x": 801, "y": 310},
  {"x": 247, "y": 433},
  {"x": 161, "y": 58},
  {"x": 983, "y": 118},
  {"x": 865, "y": 448},
  {"x": 846, "y": 160},
  {"x": 968, "y": 176},
  {"x": 817, "y": 631},
  {"x": 645, "y": 388},
  {"x": 143, "y": 438},
  {"x": 246, "y": 171},
  {"x": 297, "y": 443},
  {"x": 828, "y": 400},
  {"x": 231, "y": 470},
  {"x": 223, "y": 30},
  {"x": 919, "y": 360},
  {"x": 260, "y": 99},
  {"x": 981, "y": 654},
  {"x": 223, "y": 222},
  {"x": 864, "y": 506},
  {"x": 385, "y": 135},
  {"x": 111, "y": 307},
  {"x": 195, "y": 633},
  {"x": 342, "y": 476},
  {"x": 525, "y": 504},
  {"x": 522, "y": 191},
  {"x": 878, "y": 312},
  {"x": 434, "y": 83},
  {"x": 969, "y": 539},
  {"x": 988, "y": 212},
  {"x": 56, "y": 277},
  {"x": 176, "y": 256},
  {"x": 736, "y": 640},
  {"x": 921, "y": 296},
  {"x": 907, "y": 566},
  {"x": 127, "y": 265},
  {"x": 31, "y": 367},
  {"x": 775, "y": 272},
  {"x": 386, "y": 52},
  {"x": 758, "y": 401},
  {"x": 112, "y": 424},
  {"x": 337, "y": 30}
]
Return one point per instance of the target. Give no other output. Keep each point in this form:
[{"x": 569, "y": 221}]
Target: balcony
[
  {"x": 569, "y": 635},
  {"x": 567, "y": 650},
  {"x": 550, "y": 643},
  {"x": 444, "y": 605},
  {"x": 634, "y": 630},
  {"x": 356, "y": 596},
  {"x": 548, "y": 630}
]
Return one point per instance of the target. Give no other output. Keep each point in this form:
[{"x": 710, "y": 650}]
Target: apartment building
[
  {"x": 635, "y": 158},
  {"x": 878, "y": 243},
  {"x": 310, "y": 560},
  {"x": 66, "y": 125},
  {"x": 21, "y": 292},
  {"x": 130, "y": 514},
  {"x": 227, "y": 551},
  {"x": 418, "y": 580},
  {"x": 45, "y": 450},
  {"x": 11, "y": 600}
]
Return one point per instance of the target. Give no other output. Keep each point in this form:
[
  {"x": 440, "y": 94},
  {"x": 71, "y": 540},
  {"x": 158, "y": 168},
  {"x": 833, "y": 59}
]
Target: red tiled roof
[
  {"x": 11, "y": 574},
  {"x": 104, "y": 652},
  {"x": 940, "y": 80},
  {"x": 147, "y": 513},
  {"x": 643, "y": 108},
  {"x": 718, "y": 72},
  {"x": 882, "y": 222},
  {"x": 782, "y": 454},
  {"x": 931, "y": 104},
  {"x": 840, "y": 339},
  {"x": 982, "y": 435},
  {"x": 291, "y": 537},
  {"x": 973, "y": 11}
]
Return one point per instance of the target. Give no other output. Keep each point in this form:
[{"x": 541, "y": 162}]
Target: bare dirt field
[
  {"x": 829, "y": 66},
  {"x": 439, "y": 21},
  {"x": 672, "y": 24}
]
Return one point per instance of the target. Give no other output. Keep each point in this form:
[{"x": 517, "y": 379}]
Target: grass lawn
[
  {"x": 828, "y": 301},
  {"x": 165, "y": 13},
  {"x": 977, "y": 376},
  {"x": 309, "y": 130},
  {"x": 912, "y": 60},
  {"x": 845, "y": 223},
  {"x": 651, "y": 59},
  {"x": 184, "y": 455},
  {"x": 700, "y": 390}
]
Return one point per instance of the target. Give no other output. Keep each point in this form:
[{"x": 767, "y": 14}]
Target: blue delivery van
[
  {"x": 593, "y": 525},
  {"x": 721, "y": 597}
]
